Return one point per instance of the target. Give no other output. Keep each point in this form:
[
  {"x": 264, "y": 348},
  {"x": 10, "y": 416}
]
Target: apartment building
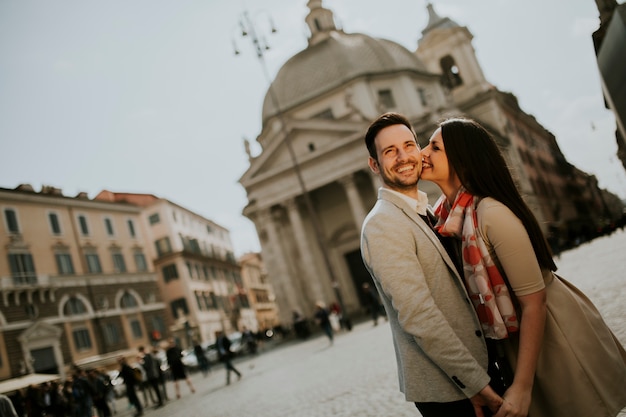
[
  {"x": 260, "y": 292},
  {"x": 198, "y": 274},
  {"x": 76, "y": 282}
]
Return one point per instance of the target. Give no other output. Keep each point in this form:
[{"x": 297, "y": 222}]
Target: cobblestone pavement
[{"x": 356, "y": 376}]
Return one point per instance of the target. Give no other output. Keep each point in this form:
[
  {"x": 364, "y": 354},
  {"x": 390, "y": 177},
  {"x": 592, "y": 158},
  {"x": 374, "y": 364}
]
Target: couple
[{"x": 474, "y": 283}]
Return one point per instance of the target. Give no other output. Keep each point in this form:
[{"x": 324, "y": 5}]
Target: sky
[{"x": 147, "y": 96}]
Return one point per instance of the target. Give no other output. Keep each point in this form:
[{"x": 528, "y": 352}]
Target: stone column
[
  {"x": 356, "y": 204},
  {"x": 312, "y": 276},
  {"x": 276, "y": 265}
]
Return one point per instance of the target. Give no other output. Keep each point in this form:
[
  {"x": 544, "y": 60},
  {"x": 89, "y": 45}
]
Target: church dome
[{"x": 333, "y": 61}]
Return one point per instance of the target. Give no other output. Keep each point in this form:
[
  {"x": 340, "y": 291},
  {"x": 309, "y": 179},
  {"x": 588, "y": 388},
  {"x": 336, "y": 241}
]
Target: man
[
  {"x": 225, "y": 355},
  {"x": 131, "y": 381},
  {"x": 440, "y": 351},
  {"x": 151, "y": 366}
]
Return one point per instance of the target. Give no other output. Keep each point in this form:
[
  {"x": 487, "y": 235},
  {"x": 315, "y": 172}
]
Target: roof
[{"x": 333, "y": 62}]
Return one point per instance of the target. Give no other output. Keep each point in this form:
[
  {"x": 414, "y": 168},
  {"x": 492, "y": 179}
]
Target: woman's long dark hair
[{"x": 475, "y": 157}]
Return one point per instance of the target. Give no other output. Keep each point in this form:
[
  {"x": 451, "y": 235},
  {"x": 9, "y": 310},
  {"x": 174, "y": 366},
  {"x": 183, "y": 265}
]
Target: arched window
[
  {"x": 74, "y": 306},
  {"x": 451, "y": 75},
  {"x": 128, "y": 300}
]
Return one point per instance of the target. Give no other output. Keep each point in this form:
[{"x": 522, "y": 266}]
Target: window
[
  {"x": 170, "y": 272},
  {"x": 385, "y": 99},
  {"x": 118, "y": 262},
  {"x": 140, "y": 262},
  {"x": 131, "y": 228},
  {"x": 84, "y": 228},
  {"x": 326, "y": 114},
  {"x": 93, "y": 263},
  {"x": 189, "y": 269},
  {"x": 179, "y": 307},
  {"x": 22, "y": 268},
  {"x": 128, "y": 300},
  {"x": 422, "y": 94},
  {"x": 163, "y": 246},
  {"x": 10, "y": 217},
  {"x": 74, "y": 306},
  {"x": 108, "y": 225},
  {"x": 135, "y": 328},
  {"x": 158, "y": 324},
  {"x": 64, "y": 264},
  {"x": 154, "y": 218},
  {"x": 55, "y": 226},
  {"x": 451, "y": 73},
  {"x": 111, "y": 333},
  {"x": 82, "y": 340}
]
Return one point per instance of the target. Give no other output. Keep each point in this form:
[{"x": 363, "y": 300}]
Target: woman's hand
[{"x": 516, "y": 403}]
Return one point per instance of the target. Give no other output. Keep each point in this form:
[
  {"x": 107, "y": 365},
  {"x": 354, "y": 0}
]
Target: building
[
  {"x": 610, "y": 45},
  {"x": 310, "y": 188},
  {"x": 76, "y": 284},
  {"x": 260, "y": 292},
  {"x": 198, "y": 276}
]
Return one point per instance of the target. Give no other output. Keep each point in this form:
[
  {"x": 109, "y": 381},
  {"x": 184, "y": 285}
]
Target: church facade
[{"x": 310, "y": 188}]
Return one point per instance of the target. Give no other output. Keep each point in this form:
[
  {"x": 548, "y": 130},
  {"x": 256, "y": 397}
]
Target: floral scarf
[{"x": 483, "y": 280}]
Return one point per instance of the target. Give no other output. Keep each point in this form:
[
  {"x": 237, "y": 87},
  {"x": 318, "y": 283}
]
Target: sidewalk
[{"x": 356, "y": 377}]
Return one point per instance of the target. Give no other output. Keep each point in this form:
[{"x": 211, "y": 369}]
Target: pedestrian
[
  {"x": 249, "y": 338},
  {"x": 372, "y": 302},
  {"x": 322, "y": 317},
  {"x": 100, "y": 391},
  {"x": 82, "y": 391},
  {"x": 162, "y": 375},
  {"x": 177, "y": 367},
  {"x": 441, "y": 354},
  {"x": 225, "y": 355},
  {"x": 544, "y": 320},
  {"x": 203, "y": 362},
  {"x": 6, "y": 407},
  {"x": 131, "y": 381},
  {"x": 151, "y": 366}
]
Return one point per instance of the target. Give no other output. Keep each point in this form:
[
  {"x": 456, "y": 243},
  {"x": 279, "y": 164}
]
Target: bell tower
[{"x": 446, "y": 48}]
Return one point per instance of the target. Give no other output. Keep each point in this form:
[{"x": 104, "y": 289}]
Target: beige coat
[
  {"x": 440, "y": 352},
  {"x": 581, "y": 369}
]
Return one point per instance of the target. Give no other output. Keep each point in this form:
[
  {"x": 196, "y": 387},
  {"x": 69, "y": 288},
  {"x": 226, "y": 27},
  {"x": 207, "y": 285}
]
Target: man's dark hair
[{"x": 383, "y": 121}]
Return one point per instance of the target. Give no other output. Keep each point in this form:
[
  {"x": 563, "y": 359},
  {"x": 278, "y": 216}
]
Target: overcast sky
[{"x": 147, "y": 96}]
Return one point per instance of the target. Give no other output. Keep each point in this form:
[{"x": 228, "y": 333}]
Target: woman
[{"x": 566, "y": 361}]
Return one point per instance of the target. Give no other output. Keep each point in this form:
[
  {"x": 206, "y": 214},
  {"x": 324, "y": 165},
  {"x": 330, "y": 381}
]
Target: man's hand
[{"x": 487, "y": 397}]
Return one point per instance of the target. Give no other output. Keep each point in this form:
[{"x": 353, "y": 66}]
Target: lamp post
[{"x": 248, "y": 30}]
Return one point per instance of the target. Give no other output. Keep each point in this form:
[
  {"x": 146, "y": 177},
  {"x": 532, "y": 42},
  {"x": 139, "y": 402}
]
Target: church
[{"x": 310, "y": 188}]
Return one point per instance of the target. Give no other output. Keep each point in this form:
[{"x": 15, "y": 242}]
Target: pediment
[
  {"x": 40, "y": 331},
  {"x": 310, "y": 141}
]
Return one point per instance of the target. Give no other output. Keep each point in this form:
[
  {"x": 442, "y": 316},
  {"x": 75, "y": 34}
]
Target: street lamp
[{"x": 260, "y": 45}]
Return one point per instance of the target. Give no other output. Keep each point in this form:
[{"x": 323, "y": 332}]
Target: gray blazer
[{"x": 440, "y": 351}]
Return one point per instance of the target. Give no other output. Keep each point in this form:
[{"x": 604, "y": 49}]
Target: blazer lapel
[{"x": 428, "y": 231}]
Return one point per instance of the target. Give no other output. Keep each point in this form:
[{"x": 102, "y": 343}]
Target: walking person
[
  {"x": 203, "y": 362},
  {"x": 162, "y": 376},
  {"x": 131, "y": 381},
  {"x": 441, "y": 354},
  {"x": 372, "y": 302},
  {"x": 544, "y": 320},
  {"x": 100, "y": 391},
  {"x": 225, "y": 355},
  {"x": 82, "y": 391},
  {"x": 322, "y": 317},
  {"x": 151, "y": 366},
  {"x": 175, "y": 359}
]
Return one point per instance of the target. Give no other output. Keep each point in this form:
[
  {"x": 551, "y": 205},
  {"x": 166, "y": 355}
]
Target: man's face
[{"x": 399, "y": 160}]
